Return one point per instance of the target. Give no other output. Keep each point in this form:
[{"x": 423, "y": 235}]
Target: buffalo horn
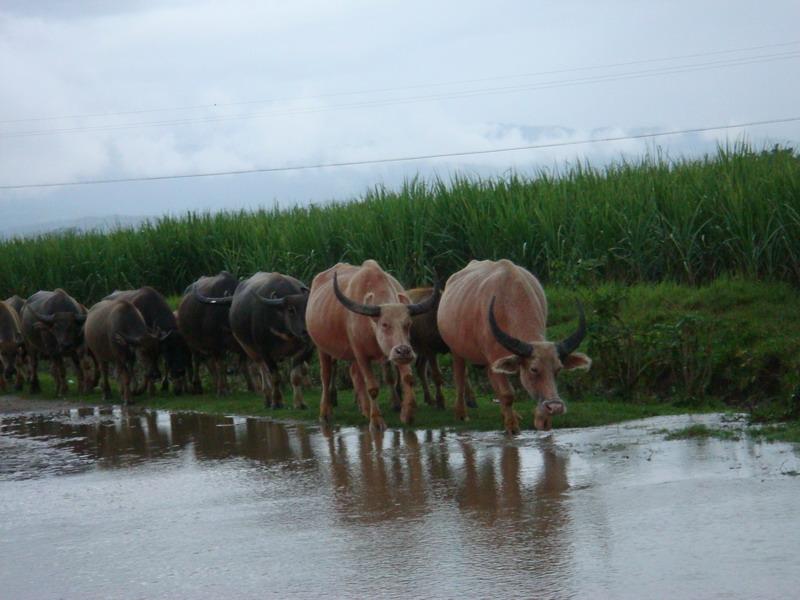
[
  {"x": 508, "y": 342},
  {"x": 570, "y": 344},
  {"x": 368, "y": 310},
  {"x": 427, "y": 304}
]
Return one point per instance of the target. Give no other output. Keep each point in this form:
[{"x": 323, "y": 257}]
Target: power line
[
  {"x": 406, "y": 87},
  {"x": 403, "y": 158},
  {"x": 425, "y": 98}
]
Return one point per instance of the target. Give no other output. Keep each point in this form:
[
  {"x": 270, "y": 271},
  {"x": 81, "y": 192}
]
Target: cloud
[{"x": 63, "y": 58}]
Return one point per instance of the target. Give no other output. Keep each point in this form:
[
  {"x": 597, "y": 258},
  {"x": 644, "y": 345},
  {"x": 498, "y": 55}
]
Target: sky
[{"x": 101, "y": 90}]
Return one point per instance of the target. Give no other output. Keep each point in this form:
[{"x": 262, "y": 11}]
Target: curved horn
[
  {"x": 269, "y": 301},
  {"x": 570, "y": 344},
  {"x": 429, "y": 303},
  {"x": 508, "y": 342},
  {"x": 225, "y": 300},
  {"x": 368, "y": 310},
  {"x": 40, "y": 316}
]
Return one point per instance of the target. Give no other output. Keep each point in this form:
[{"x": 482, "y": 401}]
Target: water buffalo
[
  {"x": 52, "y": 325},
  {"x": 494, "y": 314},
  {"x": 207, "y": 330},
  {"x": 367, "y": 319},
  {"x": 267, "y": 317},
  {"x": 427, "y": 342},
  {"x": 11, "y": 345},
  {"x": 116, "y": 333},
  {"x": 158, "y": 317},
  {"x": 16, "y": 303}
]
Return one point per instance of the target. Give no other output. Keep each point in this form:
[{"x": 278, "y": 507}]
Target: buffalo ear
[
  {"x": 403, "y": 298},
  {"x": 120, "y": 339},
  {"x": 508, "y": 365},
  {"x": 576, "y": 360}
]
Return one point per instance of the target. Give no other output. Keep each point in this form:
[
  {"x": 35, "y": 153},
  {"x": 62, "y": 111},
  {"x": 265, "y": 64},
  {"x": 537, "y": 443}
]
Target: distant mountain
[{"x": 103, "y": 224}]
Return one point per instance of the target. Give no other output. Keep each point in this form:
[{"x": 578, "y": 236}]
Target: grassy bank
[
  {"x": 586, "y": 412},
  {"x": 734, "y": 214},
  {"x": 657, "y": 349}
]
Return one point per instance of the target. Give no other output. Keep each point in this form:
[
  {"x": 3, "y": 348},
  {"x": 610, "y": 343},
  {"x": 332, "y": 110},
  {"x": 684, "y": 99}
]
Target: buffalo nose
[{"x": 404, "y": 351}]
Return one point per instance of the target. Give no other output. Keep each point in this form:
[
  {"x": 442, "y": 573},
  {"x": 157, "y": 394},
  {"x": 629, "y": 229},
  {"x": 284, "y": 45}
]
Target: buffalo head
[
  {"x": 66, "y": 327},
  {"x": 391, "y": 322},
  {"x": 538, "y": 364},
  {"x": 291, "y": 314}
]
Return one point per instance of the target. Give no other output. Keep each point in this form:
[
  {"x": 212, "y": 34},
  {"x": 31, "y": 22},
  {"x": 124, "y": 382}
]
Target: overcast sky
[{"x": 297, "y": 83}]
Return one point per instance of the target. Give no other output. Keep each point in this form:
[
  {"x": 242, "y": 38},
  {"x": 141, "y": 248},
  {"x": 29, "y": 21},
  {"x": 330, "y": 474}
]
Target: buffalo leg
[
  {"x": 326, "y": 374},
  {"x": 438, "y": 381},
  {"x": 469, "y": 393},
  {"x": 60, "y": 376},
  {"x": 35, "y": 385},
  {"x": 334, "y": 396},
  {"x": 244, "y": 367},
  {"x": 459, "y": 376},
  {"x": 124, "y": 374},
  {"x": 376, "y": 421},
  {"x": 505, "y": 393},
  {"x": 360, "y": 395},
  {"x": 390, "y": 376},
  {"x": 409, "y": 405},
  {"x": 21, "y": 373},
  {"x": 105, "y": 385},
  {"x": 76, "y": 362},
  {"x": 266, "y": 383},
  {"x": 197, "y": 386},
  {"x": 421, "y": 367},
  {"x": 92, "y": 361},
  {"x": 296, "y": 376},
  {"x": 277, "y": 393}
]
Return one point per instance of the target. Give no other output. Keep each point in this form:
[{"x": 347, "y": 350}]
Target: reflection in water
[{"x": 205, "y": 500}]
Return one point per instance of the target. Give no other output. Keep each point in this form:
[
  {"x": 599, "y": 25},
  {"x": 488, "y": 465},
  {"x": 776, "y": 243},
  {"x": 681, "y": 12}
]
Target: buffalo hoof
[
  {"x": 471, "y": 403},
  {"x": 377, "y": 424},
  {"x": 542, "y": 422},
  {"x": 407, "y": 417},
  {"x": 511, "y": 423},
  {"x": 300, "y": 406}
]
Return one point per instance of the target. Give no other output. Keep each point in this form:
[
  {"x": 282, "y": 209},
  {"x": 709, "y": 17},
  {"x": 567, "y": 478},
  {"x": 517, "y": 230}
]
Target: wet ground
[{"x": 105, "y": 503}]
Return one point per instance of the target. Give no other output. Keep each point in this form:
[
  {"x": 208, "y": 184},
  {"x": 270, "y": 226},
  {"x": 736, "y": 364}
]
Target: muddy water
[{"x": 102, "y": 504}]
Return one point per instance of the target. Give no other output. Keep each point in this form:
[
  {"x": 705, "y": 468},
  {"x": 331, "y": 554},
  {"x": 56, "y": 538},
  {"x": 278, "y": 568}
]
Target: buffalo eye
[
  {"x": 535, "y": 371},
  {"x": 385, "y": 325}
]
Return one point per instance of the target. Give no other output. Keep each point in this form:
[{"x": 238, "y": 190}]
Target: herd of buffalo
[{"x": 491, "y": 313}]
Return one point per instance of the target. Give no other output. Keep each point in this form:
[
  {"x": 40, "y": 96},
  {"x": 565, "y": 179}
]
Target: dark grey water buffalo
[
  {"x": 52, "y": 325},
  {"x": 11, "y": 346},
  {"x": 428, "y": 344},
  {"x": 267, "y": 317},
  {"x": 116, "y": 333},
  {"x": 207, "y": 330},
  {"x": 158, "y": 317},
  {"x": 16, "y": 303}
]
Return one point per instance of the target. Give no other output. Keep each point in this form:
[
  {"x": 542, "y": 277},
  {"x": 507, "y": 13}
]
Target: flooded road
[{"x": 148, "y": 504}]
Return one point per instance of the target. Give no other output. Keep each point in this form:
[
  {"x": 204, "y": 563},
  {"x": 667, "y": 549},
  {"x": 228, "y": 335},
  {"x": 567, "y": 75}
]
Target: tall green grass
[{"x": 735, "y": 213}]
